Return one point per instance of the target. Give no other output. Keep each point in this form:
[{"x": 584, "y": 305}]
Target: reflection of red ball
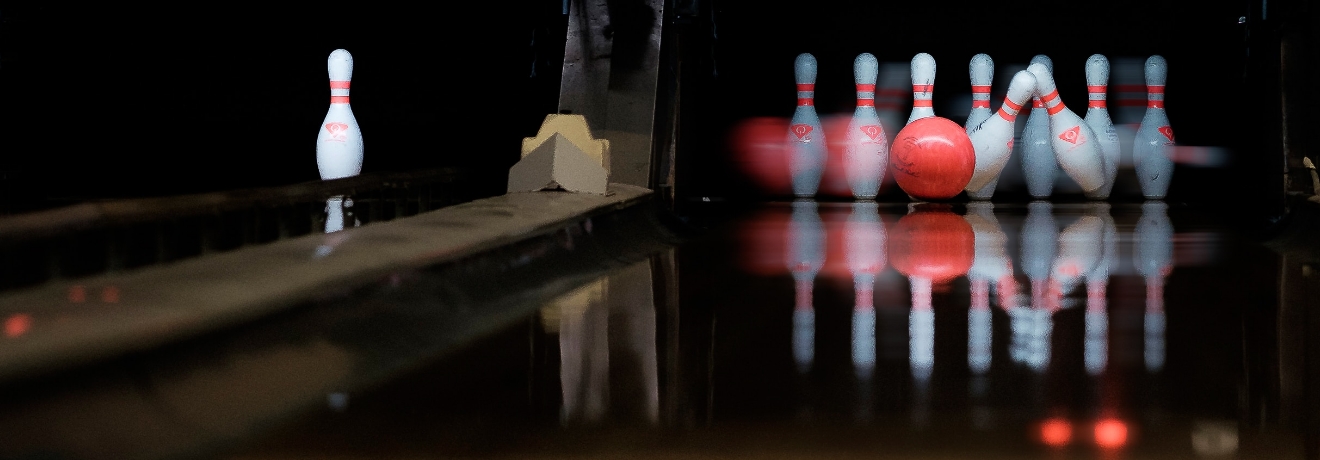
[
  {"x": 932, "y": 159},
  {"x": 932, "y": 243}
]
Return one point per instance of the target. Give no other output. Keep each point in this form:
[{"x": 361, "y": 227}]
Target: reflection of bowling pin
[
  {"x": 1097, "y": 116},
  {"x": 1152, "y": 148},
  {"x": 806, "y": 256},
  {"x": 982, "y": 71},
  {"x": 1096, "y": 347},
  {"x": 864, "y": 245},
  {"x": 866, "y": 153},
  {"x": 1074, "y": 143},
  {"x": 1039, "y": 166},
  {"x": 1154, "y": 261},
  {"x": 1038, "y": 243},
  {"x": 923, "y": 86},
  {"x": 992, "y": 139},
  {"x": 339, "y": 141},
  {"x": 1080, "y": 249},
  {"x": 806, "y": 137},
  {"x": 989, "y": 264}
]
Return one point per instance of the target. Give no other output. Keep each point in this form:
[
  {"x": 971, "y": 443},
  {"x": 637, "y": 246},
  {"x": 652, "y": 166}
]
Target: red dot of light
[
  {"x": 1111, "y": 433},
  {"x": 1056, "y": 432},
  {"x": 17, "y": 325}
]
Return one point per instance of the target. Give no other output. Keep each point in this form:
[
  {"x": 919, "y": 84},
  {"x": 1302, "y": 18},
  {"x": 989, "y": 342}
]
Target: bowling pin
[
  {"x": 993, "y": 138},
  {"x": 1038, "y": 163},
  {"x": 805, "y": 257},
  {"x": 866, "y": 153},
  {"x": 1152, "y": 148},
  {"x": 1153, "y": 257},
  {"x": 923, "y": 86},
  {"x": 990, "y": 263},
  {"x": 1075, "y": 145},
  {"x": 1039, "y": 240},
  {"x": 982, "y": 71},
  {"x": 1096, "y": 345},
  {"x": 1097, "y": 116},
  {"x": 864, "y": 246},
  {"x": 806, "y": 137},
  {"x": 339, "y": 142},
  {"x": 891, "y": 94}
]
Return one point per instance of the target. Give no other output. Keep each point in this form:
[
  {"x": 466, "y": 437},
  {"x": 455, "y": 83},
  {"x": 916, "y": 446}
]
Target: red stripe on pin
[
  {"x": 805, "y": 101},
  {"x": 338, "y": 99},
  {"x": 1097, "y": 103},
  {"x": 1056, "y": 109},
  {"x": 1005, "y": 115},
  {"x": 923, "y": 88},
  {"x": 980, "y": 88},
  {"x": 1155, "y": 104},
  {"x": 1155, "y": 89},
  {"x": 976, "y": 104},
  {"x": 1010, "y": 104},
  {"x": 865, "y": 88},
  {"x": 806, "y": 86},
  {"x": 1050, "y": 96},
  {"x": 921, "y": 103},
  {"x": 866, "y": 102},
  {"x": 339, "y": 84},
  {"x": 1096, "y": 88},
  {"x": 1130, "y": 88},
  {"x": 1037, "y": 103},
  {"x": 1131, "y": 102}
]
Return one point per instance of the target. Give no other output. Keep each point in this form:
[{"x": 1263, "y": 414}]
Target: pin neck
[{"x": 339, "y": 91}]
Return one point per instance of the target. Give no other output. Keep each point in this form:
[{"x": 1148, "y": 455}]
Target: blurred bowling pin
[
  {"x": 805, "y": 257},
  {"x": 806, "y": 137},
  {"x": 1097, "y": 116},
  {"x": 1080, "y": 249},
  {"x": 993, "y": 138},
  {"x": 982, "y": 72},
  {"x": 1074, "y": 143},
  {"x": 1096, "y": 346},
  {"x": 923, "y": 86},
  {"x": 866, "y": 153},
  {"x": 864, "y": 246},
  {"x": 1152, "y": 149},
  {"x": 339, "y": 141},
  {"x": 1038, "y": 242},
  {"x": 990, "y": 264},
  {"x": 891, "y": 94},
  {"x": 1039, "y": 165},
  {"x": 1154, "y": 261}
]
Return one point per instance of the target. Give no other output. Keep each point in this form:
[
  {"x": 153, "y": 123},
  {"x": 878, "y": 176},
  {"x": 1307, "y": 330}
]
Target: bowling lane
[{"x": 807, "y": 330}]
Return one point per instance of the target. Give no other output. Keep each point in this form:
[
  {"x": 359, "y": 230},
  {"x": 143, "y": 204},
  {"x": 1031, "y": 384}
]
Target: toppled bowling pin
[
  {"x": 866, "y": 153},
  {"x": 1075, "y": 146},
  {"x": 923, "y": 86},
  {"x": 339, "y": 141},
  {"x": 1039, "y": 167},
  {"x": 806, "y": 137},
  {"x": 982, "y": 73},
  {"x": 1097, "y": 117},
  {"x": 1152, "y": 148},
  {"x": 993, "y": 139}
]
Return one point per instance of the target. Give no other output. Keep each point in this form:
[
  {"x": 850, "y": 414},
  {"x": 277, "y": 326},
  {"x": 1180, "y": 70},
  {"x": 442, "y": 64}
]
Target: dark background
[{"x": 106, "y": 100}]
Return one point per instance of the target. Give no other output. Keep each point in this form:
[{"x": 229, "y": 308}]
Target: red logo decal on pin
[
  {"x": 1167, "y": 132},
  {"x": 338, "y": 131},
  {"x": 872, "y": 131},
  {"x": 1073, "y": 135},
  {"x": 801, "y": 131}
]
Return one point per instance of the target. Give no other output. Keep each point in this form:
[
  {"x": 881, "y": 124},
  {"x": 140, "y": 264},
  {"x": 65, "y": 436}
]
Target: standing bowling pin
[
  {"x": 1097, "y": 116},
  {"x": 1039, "y": 166},
  {"x": 993, "y": 138},
  {"x": 806, "y": 137},
  {"x": 1075, "y": 145},
  {"x": 982, "y": 71},
  {"x": 923, "y": 86},
  {"x": 1152, "y": 148},
  {"x": 339, "y": 142},
  {"x": 866, "y": 153}
]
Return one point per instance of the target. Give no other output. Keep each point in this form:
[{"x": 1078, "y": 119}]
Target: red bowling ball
[{"x": 932, "y": 159}]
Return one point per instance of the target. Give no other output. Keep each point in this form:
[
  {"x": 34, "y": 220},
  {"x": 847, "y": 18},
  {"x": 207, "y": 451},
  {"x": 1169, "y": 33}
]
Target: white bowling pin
[
  {"x": 864, "y": 247},
  {"x": 993, "y": 138},
  {"x": 1152, "y": 148},
  {"x": 1075, "y": 145},
  {"x": 923, "y": 86},
  {"x": 1039, "y": 166},
  {"x": 1097, "y": 116},
  {"x": 805, "y": 257},
  {"x": 806, "y": 137},
  {"x": 339, "y": 141},
  {"x": 982, "y": 72},
  {"x": 866, "y": 153}
]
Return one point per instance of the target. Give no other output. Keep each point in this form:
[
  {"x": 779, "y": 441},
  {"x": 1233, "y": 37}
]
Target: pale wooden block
[
  {"x": 575, "y": 129},
  {"x": 558, "y": 163}
]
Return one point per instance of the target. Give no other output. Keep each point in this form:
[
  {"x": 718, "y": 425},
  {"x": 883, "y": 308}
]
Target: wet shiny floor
[{"x": 863, "y": 330}]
